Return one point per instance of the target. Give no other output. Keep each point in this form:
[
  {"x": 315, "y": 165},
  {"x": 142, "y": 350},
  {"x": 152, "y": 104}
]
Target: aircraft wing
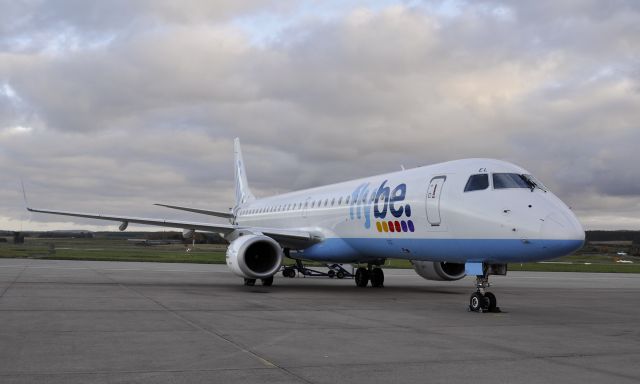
[
  {"x": 226, "y": 215},
  {"x": 289, "y": 238},
  {"x": 221, "y": 228}
]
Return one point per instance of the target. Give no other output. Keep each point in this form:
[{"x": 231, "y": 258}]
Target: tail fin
[{"x": 243, "y": 193}]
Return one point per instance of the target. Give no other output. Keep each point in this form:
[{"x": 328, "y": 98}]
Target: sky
[{"x": 111, "y": 106}]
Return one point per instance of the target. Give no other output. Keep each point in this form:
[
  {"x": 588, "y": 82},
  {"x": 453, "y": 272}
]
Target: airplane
[{"x": 452, "y": 219}]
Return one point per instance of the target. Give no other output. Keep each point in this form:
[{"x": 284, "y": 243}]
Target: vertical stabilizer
[{"x": 243, "y": 193}]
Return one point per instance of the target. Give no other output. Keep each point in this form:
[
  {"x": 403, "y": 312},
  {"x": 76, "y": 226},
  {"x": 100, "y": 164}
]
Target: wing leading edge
[
  {"x": 226, "y": 215},
  {"x": 286, "y": 237}
]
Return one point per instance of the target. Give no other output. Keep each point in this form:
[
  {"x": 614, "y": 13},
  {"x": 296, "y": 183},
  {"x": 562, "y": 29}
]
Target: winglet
[{"x": 24, "y": 196}]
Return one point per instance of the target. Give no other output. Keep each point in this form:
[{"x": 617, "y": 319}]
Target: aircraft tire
[
  {"x": 377, "y": 278},
  {"x": 267, "y": 282},
  {"x": 340, "y": 275},
  {"x": 490, "y": 301},
  {"x": 249, "y": 282},
  {"x": 362, "y": 277},
  {"x": 288, "y": 272},
  {"x": 476, "y": 302}
]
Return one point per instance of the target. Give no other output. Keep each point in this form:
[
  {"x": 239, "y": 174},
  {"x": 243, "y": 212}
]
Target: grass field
[
  {"x": 122, "y": 250},
  {"x": 111, "y": 250}
]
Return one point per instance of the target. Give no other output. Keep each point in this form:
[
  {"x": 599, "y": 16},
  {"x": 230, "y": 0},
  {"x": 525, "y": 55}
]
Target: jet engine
[
  {"x": 440, "y": 271},
  {"x": 254, "y": 256}
]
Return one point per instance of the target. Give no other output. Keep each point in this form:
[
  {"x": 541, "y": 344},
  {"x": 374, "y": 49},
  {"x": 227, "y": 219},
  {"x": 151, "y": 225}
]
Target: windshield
[
  {"x": 509, "y": 180},
  {"x": 537, "y": 183},
  {"x": 515, "y": 180}
]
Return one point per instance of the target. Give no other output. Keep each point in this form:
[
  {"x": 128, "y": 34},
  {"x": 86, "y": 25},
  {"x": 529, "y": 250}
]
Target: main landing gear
[
  {"x": 371, "y": 273},
  {"x": 265, "y": 282},
  {"x": 480, "y": 300}
]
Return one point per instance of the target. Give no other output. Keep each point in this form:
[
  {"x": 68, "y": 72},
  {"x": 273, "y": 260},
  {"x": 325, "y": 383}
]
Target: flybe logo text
[{"x": 384, "y": 202}]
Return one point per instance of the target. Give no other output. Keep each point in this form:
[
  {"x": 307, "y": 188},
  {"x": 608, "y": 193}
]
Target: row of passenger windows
[
  {"x": 501, "y": 181},
  {"x": 307, "y": 204},
  {"x": 475, "y": 183}
]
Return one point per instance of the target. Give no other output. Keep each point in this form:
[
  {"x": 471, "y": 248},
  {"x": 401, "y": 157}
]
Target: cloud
[{"x": 113, "y": 106}]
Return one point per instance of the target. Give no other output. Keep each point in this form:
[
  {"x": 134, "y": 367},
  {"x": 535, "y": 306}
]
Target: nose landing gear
[{"x": 480, "y": 300}]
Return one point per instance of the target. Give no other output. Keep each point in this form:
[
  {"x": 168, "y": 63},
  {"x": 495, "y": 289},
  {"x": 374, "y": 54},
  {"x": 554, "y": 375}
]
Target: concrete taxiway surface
[{"x": 109, "y": 322}]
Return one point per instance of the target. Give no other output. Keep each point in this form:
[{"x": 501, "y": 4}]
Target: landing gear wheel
[
  {"x": 362, "y": 277},
  {"x": 249, "y": 282},
  {"x": 491, "y": 302},
  {"x": 377, "y": 278},
  {"x": 267, "y": 282},
  {"x": 340, "y": 275},
  {"x": 331, "y": 273},
  {"x": 288, "y": 272},
  {"x": 476, "y": 302}
]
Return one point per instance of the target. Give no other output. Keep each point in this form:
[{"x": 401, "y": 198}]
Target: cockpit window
[
  {"x": 535, "y": 181},
  {"x": 477, "y": 182},
  {"x": 514, "y": 180}
]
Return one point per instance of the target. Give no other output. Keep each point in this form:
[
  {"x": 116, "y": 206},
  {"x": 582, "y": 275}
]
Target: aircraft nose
[{"x": 565, "y": 227}]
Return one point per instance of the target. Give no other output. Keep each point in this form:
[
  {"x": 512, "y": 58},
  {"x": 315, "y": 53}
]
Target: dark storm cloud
[{"x": 117, "y": 105}]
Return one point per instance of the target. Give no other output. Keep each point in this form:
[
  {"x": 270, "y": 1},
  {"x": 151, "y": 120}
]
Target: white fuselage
[{"x": 425, "y": 214}]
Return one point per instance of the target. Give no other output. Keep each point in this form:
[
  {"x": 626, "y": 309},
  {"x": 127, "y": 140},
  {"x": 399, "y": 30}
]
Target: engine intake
[
  {"x": 440, "y": 271},
  {"x": 254, "y": 256}
]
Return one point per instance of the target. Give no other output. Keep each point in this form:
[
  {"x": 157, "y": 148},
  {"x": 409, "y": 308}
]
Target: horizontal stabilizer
[{"x": 226, "y": 215}]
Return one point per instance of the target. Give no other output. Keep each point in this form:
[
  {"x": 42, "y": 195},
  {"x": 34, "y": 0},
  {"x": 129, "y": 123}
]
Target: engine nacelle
[
  {"x": 254, "y": 256},
  {"x": 441, "y": 271}
]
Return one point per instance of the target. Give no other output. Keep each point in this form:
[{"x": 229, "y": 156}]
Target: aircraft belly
[{"x": 449, "y": 250}]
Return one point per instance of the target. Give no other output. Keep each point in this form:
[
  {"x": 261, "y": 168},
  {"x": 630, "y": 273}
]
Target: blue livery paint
[
  {"x": 473, "y": 269},
  {"x": 449, "y": 250}
]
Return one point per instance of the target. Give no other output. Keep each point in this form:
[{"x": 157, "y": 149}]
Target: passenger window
[
  {"x": 326, "y": 201},
  {"x": 477, "y": 182},
  {"x": 340, "y": 201},
  {"x": 333, "y": 201}
]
